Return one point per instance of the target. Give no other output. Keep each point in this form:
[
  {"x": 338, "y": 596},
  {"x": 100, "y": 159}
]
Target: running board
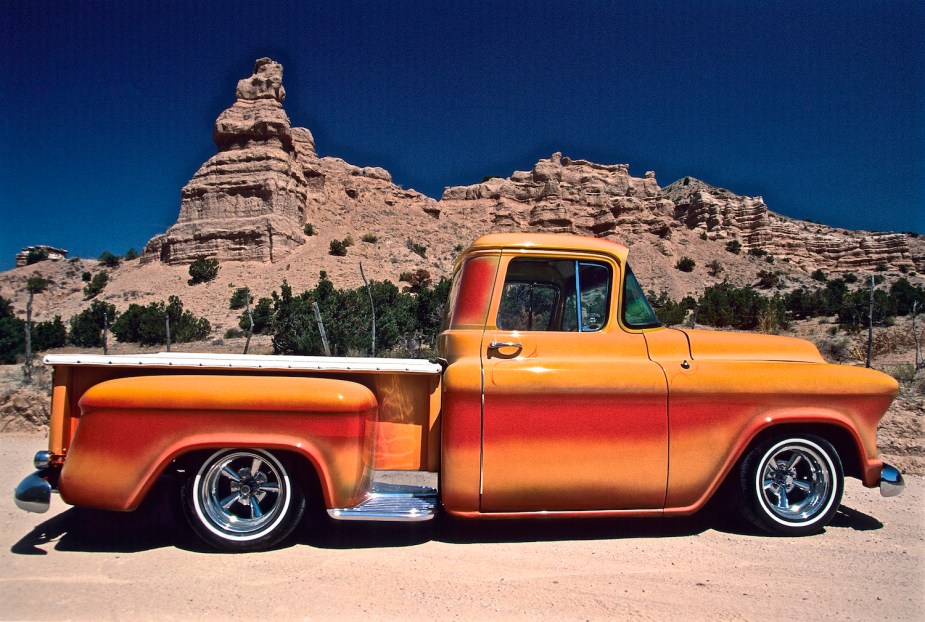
[{"x": 392, "y": 502}]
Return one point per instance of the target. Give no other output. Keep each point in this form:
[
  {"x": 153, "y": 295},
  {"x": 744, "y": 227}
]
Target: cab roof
[{"x": 549, "y": 241}]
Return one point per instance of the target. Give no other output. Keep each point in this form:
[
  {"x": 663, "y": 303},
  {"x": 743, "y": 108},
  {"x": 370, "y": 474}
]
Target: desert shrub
[
  {"x": 370, "y": 238},
  {"x": 404, "y": 321},
  {"x": 854, "y": 311},
  {"x": 904, "y": 372},
  {"x": 233, "y": 332},
  {"x": 49, "y": 334},
  {"x": 819, "y": 275},
  {"x": 239, "y": 298},
  {"x": 772, "y": 317},
  {"x": 109, "y": 260},
  {"x": 86, "y": 276},
  {"x": 416, "y": 248},
  {"x": 850, "y": 277},
  {"x": 36, "y": 284},
  {"x": 87, "y": 326},
  {"x": 148, "y": 325},
  {"x": 919, "y": 385},
  {"x": 904, "y": 295},
  {"x": 309, "y": 229},
  {"x": 881, "y": 267},
  {"x": 337, "y": 248},
  {"x": 130, "y": 254},
  {"x": 734, "y": 246},
  {"x": 12, "y": 333},
  {"x": 417, "y": 280},
  {"x": 458, "y": 248},
  {"x": 768, "y": 279},
  {"x": 685, "y": 264},
  {"x": 757, "y": 252},
  {"x": 703, "y": 235},
  {"x": 769, "y": 259},
  {"x": 36, "y": 255},
  {"x": 667, "y": 310},
  {"x": 836, "y": 350},
  {"x": 203, "y": 270},
  {"x": 726, "y": 305},
  {"x": 96, "y": 284},
  {"x": 261, "y": 313},
  {"x": 714, "y": 268},
  {"x": 802, "y": 304}
]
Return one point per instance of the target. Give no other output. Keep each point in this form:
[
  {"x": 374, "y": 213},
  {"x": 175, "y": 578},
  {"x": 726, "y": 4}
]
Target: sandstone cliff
[
  {"x": 253, "y": 198},
  {"x": 566, "y": 196},
  {"x": 723, "y": 214}
]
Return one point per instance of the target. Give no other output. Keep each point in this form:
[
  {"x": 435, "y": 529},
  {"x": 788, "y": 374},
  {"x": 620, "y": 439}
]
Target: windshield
[{"x": 636, "y": 310}]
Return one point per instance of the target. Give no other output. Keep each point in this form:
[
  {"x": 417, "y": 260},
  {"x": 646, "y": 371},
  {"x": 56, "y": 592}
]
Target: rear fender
[{"x": 131, "y": 429}]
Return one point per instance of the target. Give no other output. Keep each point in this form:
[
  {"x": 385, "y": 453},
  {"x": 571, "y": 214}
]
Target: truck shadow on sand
[{"x": 159, "y": 523}]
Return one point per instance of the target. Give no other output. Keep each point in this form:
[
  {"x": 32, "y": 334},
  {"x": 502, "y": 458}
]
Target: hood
[{"x": 721, "y": 346}]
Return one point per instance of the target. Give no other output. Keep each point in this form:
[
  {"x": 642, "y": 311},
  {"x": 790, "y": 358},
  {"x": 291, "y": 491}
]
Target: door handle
[{"x": 494, "y": 345}]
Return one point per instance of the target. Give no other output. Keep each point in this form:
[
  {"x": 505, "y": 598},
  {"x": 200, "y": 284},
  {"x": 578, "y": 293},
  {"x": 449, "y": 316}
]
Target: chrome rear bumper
[
  {"x": 34, "y": 493},
  {"x": 891, "y": 481}
]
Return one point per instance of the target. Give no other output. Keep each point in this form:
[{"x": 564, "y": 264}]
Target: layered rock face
[
  {"x": 50, "y": 252},
  {"x": 564, "y": 196},
  {"x": 723, "y": 214},
  {"x": 253, "y": 198},
  {"x": 248, "y": 200}
]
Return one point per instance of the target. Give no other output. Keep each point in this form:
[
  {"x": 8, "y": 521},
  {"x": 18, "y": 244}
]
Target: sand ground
[{"x": 86, "y": 564}]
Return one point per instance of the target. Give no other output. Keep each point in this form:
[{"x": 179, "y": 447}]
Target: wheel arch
[{"x": 842, "y": 439}]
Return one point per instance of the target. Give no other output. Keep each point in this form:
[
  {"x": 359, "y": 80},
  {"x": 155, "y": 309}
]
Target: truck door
[{"x": 575, "y": 414}]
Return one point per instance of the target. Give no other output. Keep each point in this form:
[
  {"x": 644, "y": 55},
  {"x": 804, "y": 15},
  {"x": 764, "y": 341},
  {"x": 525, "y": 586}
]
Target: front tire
[
  {"x": 242, "y": 500},
  {"x": 791, "y": 485}
]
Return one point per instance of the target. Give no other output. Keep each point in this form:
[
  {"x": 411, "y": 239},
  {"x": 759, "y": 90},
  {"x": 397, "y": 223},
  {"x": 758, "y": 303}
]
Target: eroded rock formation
[
  {"x": 248, "y": 200},
  {"x": 252, "y": 200},
  {"x": 41, "y": 250},
  {"x": 723, "y": 214},
  {"x": 566, "y": 196}
]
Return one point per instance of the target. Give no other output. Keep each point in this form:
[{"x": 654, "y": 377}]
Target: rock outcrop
[
  {"x": 722, "y": 214},
  {"x": 247, "y": 201},
  {"x": 40, "y": 250},
  {"x": 565, "y": 196},
  {"x": 251, "y": 200}
]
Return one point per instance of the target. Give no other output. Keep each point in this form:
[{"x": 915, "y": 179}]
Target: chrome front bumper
[{"x": 891, "y": 481}]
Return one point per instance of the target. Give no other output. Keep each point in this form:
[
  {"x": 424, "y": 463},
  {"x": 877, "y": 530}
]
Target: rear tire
[
  {"x": 791, "y": 485},
  {"x": 242, "y": 500}
]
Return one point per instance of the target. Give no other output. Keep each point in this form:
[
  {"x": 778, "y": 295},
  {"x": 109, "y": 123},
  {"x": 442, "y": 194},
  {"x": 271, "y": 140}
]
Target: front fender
[{"x": 130, "y": 429}]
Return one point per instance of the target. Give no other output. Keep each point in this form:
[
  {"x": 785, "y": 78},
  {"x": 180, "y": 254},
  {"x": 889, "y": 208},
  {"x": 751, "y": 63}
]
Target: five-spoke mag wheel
[
  {"x": 242, "y": 500},
  {"x": 791, "y": 485}
]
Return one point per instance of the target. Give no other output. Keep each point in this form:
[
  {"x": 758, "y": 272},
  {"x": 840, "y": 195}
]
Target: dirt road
[{"x": 85, "y": 564}]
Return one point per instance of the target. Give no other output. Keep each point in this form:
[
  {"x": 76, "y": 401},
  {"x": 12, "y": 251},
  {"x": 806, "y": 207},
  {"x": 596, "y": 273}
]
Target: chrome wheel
[
  {"x": 795, "y": 482},
  {"x": 791, "y": 485},
  {"x": 243, "y": 499}
]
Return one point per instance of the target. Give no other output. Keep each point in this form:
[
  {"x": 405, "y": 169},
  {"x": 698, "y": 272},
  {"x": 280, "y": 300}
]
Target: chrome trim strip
[
  {"x": 891, "y": 481},
  {"x": 252, "y": 361}
]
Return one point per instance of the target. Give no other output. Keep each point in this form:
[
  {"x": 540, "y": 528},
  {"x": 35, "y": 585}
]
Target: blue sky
[{"x": 106, "y": 108}]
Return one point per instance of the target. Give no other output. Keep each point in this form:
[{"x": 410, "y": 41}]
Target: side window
[
  {"x": 554, "y": 295},
  {"x": 527, "y": 306}
]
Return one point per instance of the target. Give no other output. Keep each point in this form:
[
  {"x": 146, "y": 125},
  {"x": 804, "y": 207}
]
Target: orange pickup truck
[{"x": 557, "y": 393}]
